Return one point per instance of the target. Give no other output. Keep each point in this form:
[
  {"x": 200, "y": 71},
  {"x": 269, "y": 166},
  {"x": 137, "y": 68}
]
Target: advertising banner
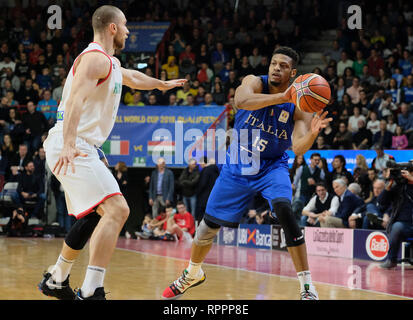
[
  {"x": 350, "y": 156},
  {"x": 228, "y": 236},
  {"x": 254, "y": 236},
  {"x": 145, "y": 36},
  {"x": 329, "y": 242},
  {"x": 371, "y": 245},
  {"x": 143, "y": 134}
]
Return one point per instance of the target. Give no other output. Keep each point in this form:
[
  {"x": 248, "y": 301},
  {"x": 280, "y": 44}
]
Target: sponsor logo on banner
[
  {"x": 228, "y": 236},
  {"x": 377, "y": 246},
  {"x": 254, "y": 236},
  {"x": 329, "y": 242}
]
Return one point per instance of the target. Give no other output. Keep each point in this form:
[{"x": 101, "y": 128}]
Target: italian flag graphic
[
  {"x": 116, "y": 147},
  {"x": 166, "y": 148}
]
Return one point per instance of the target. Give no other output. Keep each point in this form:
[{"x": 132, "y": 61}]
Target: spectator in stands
[
  {"x": 161, "y": 187},
  {"x": 188, "y": 181},
  {"x": 373, "y": 124},
  {"x": 374, "y": 217},
  {"x": 340, "y": 171},
  {"x": 218, "y": 94},
  {"x": 354, "y": 90},
  {"x": 394, "y": 91},
  {"x": 405, "y": 63},
  {"x": 224, "y": 73},
  {"x": 48, "y": 107},
  {"x": 387, "y": 106},
  {"x": 181, "y": 223},
  {"x": 359, "y": 63},
  {"x": 383, "y": 137},
  {"x": 366, "y": 76},
  {"x": 375, "y": 62},
  {"x": 136, "y": 99},
  {"x": 400, "y": 225},
  {"x": 207, "y": 178},
  {"x": 349, "y": 202},
  {"x": 35, "y": 124},
  {"x": 380, "y": 161},
  {"x": 363, "y": 137},
  {"x": 20, "y": 160},
  {"x": 58, "y": 91},
  {"x": 208, "y": 100},
  {"x": 152, "y": 100},
  {"x": 205, "y": 74},
  {"x": 406, "y": 94},
  {"x": 63, "y": 218},
  {"x": 8, "y": 149},
  {"x": 399, "y": 139},
  {"x": 39, "y": 161},
  {"x": 343, "y": 138},
  {"x": 322, "y": 203},
  {"x": 245, "y": 68},
  {"x": 219, "y": 57},
  {"x": 181, "y": 94},
  {"x": 344, "y": 63},
  {"x": 120, "y": 172},
  {"x": 405, "y": 119},
  {"x": 171, "y": 68},
  {"x": 30, "y": 190},
  {"x": 298, "y": 162},
  {"x": 334, "y": 53},
  {"x": 348, "y": 77},
  {"x": 353, "y": 124},
  {"x": 172, "y": 100},
  {"x": 306, "y": 178},
  {"x": 320, "y": 144},
  {"x": 27, "y": 93}
]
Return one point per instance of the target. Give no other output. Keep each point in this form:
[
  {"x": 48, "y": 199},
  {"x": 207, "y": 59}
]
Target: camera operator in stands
[{"x": 398, "y": 193}]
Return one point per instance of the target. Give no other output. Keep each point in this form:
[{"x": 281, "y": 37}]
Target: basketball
[{"x": 310, "y": 92}]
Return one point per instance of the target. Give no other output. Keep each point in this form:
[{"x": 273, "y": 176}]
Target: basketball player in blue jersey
[{"x": 270, "y": 121}]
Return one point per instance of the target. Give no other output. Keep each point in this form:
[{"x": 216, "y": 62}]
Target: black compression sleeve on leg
[
  {"x": 81, "y": 231},
  {"x": 284, "y": 212}
]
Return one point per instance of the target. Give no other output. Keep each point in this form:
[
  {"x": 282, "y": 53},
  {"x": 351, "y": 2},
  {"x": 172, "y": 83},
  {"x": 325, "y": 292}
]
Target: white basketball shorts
[{"x": 90, "y": 185}]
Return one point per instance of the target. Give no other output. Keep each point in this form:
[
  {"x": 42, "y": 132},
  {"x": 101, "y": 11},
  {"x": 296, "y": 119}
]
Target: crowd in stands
[{"x": 369, "y": 71}]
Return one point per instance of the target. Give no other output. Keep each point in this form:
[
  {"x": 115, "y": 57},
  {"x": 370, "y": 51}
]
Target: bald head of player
[
  {"x": 109, "y": 22},
  {"x": 283, "y": 66}
]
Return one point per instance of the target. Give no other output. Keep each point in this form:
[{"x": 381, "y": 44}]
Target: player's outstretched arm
[
  {"x": 248, "y": 95},
  {"x": 91, "y": 67},
  {"x": 307, "y": 126},
  {"x": 138, "y": 80}
]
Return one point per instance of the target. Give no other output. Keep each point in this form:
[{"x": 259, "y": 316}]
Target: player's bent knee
[
  {"x": 116, "y": 207},
  {"x": 205, "y": 234},
  {"x": 293, "y": 235},
  {"x": 81, "y": 231}
]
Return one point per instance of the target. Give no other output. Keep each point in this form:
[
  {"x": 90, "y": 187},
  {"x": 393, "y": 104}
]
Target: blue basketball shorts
[{"x": 231, "y": 194}]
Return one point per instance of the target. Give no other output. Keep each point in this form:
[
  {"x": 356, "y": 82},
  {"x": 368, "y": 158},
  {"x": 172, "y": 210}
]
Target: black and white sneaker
[
  {"x": 98, "y": 295},
  {"x": 309, "y": 294},
  {"x": 50, "y": 288}
]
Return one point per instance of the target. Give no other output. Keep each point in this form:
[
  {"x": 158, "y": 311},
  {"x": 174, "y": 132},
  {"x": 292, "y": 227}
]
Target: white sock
[
  {"x": 93, "y": 279},
  {"x": 61, "y": 269},
  {"x": 194, "y": 269},
  {"x": 305, "y": 278}
]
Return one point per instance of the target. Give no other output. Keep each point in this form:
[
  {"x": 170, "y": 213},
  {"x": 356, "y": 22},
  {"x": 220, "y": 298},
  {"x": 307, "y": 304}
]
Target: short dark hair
[
  {"x": 342, "y": 159},
  {"x": 315, "y": 154},
  {"x": 180, "y": 203},
  {"x": 290, "y": 53},
  {"x": 320, "y": 184}
]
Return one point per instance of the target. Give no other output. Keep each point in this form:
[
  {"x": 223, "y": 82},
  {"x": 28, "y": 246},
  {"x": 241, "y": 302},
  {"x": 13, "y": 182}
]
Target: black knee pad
[
  {"x": 81, "y": 231},
  {"x": 283, "y": 210}
]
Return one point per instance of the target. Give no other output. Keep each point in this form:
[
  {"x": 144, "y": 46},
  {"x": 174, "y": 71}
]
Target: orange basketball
[{"x": 310, "y": 92}]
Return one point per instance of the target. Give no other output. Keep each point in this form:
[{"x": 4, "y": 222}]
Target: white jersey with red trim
[{"x": 99, "y": 111}]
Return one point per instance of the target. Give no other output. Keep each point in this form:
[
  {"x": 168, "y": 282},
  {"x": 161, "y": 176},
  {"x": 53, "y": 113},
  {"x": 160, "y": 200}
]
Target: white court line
[{"x": 268, "y": 274}]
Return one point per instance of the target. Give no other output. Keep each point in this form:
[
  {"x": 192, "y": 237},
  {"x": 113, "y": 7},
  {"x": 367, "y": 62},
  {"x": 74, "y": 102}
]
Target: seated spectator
[
  {"x": 171, "y": 68},
  {"x": 375, "y": 101},
  {"x": 373, "y": 124},
  {"x": 383, "y": 137},
  {"x": 354, "y": 90},
  {"x": 343, "y": 137},
  {"x": 344, "y": 63},
  {"x": 181, "y": 224},
  {"x": 27, "y": 93},
  {"x": 387, "y": 106},
  {"x": 205, "y": 74},
  {"x": 394, "y": 91},
  {"x": 320, "y": 144},
  {"x": 405, "y": 119},
  {"x": 16, "y": 128},
  {"x": 30, "y": 189},
  {"x": 48, "y": 107},
  {"x": 224, "y": 73},
  {"x": 353, "y": 120},
  {"x": 374, "y": 217},
  {"x": 366, "y": 77},
  {"x": 219, "y": 57},
  {"x": 380, "y": 161},
  {"x": 398, "y": 76},
  {"x": 375, "y": 62},
  {"x": 8, "y": 150},
  {"x": 391, "y": 125},
  {"x": 405, "y": 64},
  {"x": 362, "y": 138},
  {"x": 406, "y": 92},
  {"x": 152, "y": 100},
  {"x": 136, "y": 99},
  {"x": 209, "y": 101},
  {"x": 349, "y": 202},
  {"x": 399, "y": 139},
  {"x": 218, "y": 94},
  {"x": 35, "y": 124},
  {"x": 17, "y": 225},
  {"x": 340, "y": 171},
  {"x": 263, "y": 217},
  {"x": 322, "y": 203}
]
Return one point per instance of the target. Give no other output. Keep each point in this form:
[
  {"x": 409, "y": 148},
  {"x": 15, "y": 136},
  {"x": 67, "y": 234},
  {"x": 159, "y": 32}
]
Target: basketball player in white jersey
[{"x": 85, "y": 118}]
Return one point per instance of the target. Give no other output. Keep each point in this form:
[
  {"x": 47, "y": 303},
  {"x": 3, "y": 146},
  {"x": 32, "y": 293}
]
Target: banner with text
[
  {"x": 350, "y": 156},
  {"x": 143, "y": 134},
  {"x": 329, "y": 242},
  {"x": 255, "y": 236},
  {"x": 145, "y": 36}
]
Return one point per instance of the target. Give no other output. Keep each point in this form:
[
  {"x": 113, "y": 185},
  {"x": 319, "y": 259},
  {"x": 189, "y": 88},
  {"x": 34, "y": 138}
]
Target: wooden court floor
[{"x": 139, "y": 275}]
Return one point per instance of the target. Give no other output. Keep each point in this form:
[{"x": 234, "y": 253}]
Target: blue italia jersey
[{"x": 261, "y": 137}]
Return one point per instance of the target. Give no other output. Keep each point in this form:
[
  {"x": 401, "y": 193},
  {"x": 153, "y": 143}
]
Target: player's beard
[
  {"x": 118, "y": 42},
  {"x": 275, "y": 83}
]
